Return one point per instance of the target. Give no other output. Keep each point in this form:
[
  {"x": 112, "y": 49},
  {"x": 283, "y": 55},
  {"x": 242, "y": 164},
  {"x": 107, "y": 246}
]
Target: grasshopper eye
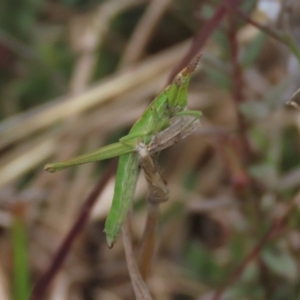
[{"x": 178, "y": 80}]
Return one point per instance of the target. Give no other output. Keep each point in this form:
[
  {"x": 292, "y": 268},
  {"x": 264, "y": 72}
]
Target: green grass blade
[{"x": 21, "y": 287}]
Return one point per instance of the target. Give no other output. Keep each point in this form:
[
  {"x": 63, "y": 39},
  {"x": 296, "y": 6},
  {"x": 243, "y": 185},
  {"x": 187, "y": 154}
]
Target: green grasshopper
[{"x": 169, "y": 104}]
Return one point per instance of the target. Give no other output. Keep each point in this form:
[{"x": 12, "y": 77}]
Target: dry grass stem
[
  {"x": 140, "y": 289},
  {"x": 143, "y": 32}
]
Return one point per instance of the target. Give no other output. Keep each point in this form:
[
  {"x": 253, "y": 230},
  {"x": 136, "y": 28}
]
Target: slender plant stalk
[
  {"x": 158, "y": 193},
  {"x": 139, "y": 286}
]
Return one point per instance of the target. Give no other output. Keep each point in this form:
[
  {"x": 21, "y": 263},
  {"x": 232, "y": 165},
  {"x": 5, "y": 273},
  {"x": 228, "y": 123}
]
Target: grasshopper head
[{"x": 177, "y": 91}]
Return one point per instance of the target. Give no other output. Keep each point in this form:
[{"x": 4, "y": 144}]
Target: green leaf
[
  {"x": 265, "y": 173},
  {"x": 202, "y": 264},
  {"x": 220, "y": 79},
  {"x": 254, "y": 110},
  {"x": 281, "y": 263},
  {"x": 252, "y": 50}
]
